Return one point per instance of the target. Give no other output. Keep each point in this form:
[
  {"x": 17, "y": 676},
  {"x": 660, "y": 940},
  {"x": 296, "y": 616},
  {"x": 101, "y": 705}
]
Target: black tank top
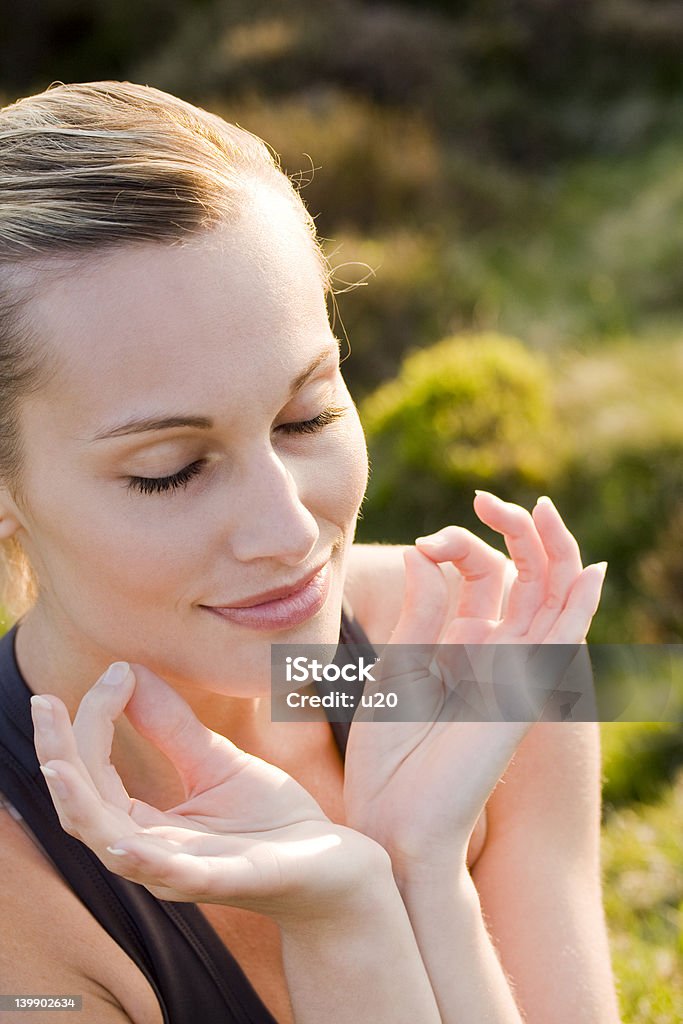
[{"x": 187, "y": 965}]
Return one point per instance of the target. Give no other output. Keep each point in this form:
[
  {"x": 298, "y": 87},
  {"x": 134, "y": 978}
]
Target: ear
[{"x": 10, "y": 516}]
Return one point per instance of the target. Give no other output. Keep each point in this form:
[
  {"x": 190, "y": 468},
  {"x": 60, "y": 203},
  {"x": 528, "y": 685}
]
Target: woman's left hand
[{"x": 418, "y": 788}]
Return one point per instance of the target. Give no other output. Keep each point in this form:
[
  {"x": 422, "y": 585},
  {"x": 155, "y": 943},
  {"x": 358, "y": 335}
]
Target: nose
[{"x": 274, "y": 522}]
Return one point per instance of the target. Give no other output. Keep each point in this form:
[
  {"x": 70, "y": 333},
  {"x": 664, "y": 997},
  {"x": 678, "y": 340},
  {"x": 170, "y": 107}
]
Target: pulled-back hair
[{"x": 91, "y": 166}]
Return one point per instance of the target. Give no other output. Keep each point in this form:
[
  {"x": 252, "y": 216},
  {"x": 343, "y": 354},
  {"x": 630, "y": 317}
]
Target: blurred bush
[
  {"x": 485, "y": 412},
  {"x": 525, "y": 159},
  {"x": 465, "y": 413},
  {"x": 639, "y": 760},
  {"x": 358, "y": 163},
  {"x": 659, "y": 584},
  {"x": 531, "y": 83},
  {"x": 72, "y": 41},
  {"x": 642, "y": 861}
]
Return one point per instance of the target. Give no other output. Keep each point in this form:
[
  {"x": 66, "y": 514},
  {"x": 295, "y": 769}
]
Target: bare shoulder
[
  {"x": 374, "y": 587},
  {"x": 53, "y": 945}
]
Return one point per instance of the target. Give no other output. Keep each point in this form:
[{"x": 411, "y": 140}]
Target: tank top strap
[{"x": 353, "y": 644}]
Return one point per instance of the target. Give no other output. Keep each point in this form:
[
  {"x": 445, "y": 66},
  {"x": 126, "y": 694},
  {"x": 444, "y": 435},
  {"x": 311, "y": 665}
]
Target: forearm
[
  {"x": 364, "y": 966},
  {"x": 463, "y": 968}
]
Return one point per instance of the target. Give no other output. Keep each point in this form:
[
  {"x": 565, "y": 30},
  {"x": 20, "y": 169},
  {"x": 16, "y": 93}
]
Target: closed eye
[
  {"x": 327, "y": 416},
  {"x": 161, "y": 484},
  {"x": 158, "y": 484}
]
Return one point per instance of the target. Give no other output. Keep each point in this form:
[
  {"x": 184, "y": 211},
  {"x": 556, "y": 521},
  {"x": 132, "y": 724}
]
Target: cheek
[
  {"x": 346, "y": 474},
  {"x": 95, "y": 546},
  {"x": 121, "y": 548}
]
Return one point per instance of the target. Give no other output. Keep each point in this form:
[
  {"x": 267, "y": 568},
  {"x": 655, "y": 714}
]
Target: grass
[{"x": 643, "y": 892}]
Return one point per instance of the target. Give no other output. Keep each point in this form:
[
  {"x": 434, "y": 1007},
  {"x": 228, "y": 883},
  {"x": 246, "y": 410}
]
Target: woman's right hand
[{"x": 247, "y": 834}]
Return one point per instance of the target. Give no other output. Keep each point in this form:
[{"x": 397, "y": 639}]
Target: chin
[{"x": 240, "y": 666}]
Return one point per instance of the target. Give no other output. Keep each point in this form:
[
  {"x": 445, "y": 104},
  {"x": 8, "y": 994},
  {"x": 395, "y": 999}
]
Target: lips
[
  {"x": 273, "y": 595},
  {"x": 284, "y": 612}
]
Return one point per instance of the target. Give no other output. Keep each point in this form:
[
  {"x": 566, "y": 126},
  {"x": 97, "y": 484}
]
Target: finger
[
  {"x": 93, "y": 728},
  {"x": 425, "y": 601},
  {"x": 527, "y": 552},
  {"x": 410, "y": 650},
  {"x": 201, "y": 757},
  {"x": 564, "y": 566},
  {"x": 53, "y": 734},
  {"x": 469, "y": 631},
  {"x": 481, "y": 566},
  {"x": 574, "y": 622},
  {"x": 81, "y": 810},
  {"x": 146, "y": 816},
  {"x": 172, "y": 874},
  {"x": 147, "y": 860}
]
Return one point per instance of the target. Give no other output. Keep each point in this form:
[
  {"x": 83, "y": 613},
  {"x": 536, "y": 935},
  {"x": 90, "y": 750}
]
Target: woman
[{"x": 182, "y": 470}]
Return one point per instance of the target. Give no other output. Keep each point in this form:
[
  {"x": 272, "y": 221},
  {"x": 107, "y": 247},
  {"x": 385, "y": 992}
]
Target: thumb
[
  {"x": 425, "y": 601},
  {"x": 161, "y": 715},
  {"x": 425, "y": 604}
]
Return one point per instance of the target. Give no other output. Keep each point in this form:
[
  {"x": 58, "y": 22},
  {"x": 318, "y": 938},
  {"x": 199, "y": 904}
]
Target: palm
[{"x": 246, "y": 832}]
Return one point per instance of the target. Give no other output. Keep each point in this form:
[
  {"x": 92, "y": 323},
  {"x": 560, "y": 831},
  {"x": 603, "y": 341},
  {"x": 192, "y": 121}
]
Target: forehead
[{"x": 242, "y": 306}]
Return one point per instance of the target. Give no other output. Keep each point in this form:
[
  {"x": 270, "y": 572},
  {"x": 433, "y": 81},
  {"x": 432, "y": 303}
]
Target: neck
[{"x": 56, "y": 661}]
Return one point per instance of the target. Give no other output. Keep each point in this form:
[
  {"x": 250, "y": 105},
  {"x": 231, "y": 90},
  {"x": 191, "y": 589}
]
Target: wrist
[
  {"x": 355, "y": 935},
  {"x": 364, "y": 889},
  {"x": 433, "y": 876},
  {"x": 429, "y": 864}
]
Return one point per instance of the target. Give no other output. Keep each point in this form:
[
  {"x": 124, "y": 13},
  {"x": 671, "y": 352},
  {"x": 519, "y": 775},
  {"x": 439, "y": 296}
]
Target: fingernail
[
  {"x": 603, "y": 566},
  {"x": 429, "y": 545},
  {"x": 57, "y": 783},
  {"x": 116, "y": 851},
  {"x": 116, "y": 673},
  {"x": 42, "y": 714},
  {"x": 432, "y": 540},
  {"x": 40, "y": 702},
  {"x": 545, "y": 500}
]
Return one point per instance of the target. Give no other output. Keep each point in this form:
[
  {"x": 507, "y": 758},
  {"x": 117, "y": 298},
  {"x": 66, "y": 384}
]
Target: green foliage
[
  {"x": 404, "y": 298},
  {"x": 599, "y": 254},
  {"x": 602, "y": 434},
  {"x": 660, "y": 583},
  {"x": 67, "y": 40},
  {"x": 358, "y": 163},
  {"x": 466, "y": 413},
  {"x": 639, "y": 760},
  {"x": 622, "y": 487},
  {"x": 642, "y": 861},
  {"x": 532, "y": 83}
]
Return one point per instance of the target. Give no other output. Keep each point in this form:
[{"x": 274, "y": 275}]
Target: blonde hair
[{"x": 93, "y": 165}]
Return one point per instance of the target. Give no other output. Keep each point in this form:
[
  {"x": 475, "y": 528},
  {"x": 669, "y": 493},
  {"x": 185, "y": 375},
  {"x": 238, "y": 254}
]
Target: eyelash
[{"x": 158, "y": 485}]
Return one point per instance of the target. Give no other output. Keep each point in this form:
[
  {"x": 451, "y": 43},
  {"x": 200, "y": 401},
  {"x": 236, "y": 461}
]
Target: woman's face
[{"x": 212, "y": 336}]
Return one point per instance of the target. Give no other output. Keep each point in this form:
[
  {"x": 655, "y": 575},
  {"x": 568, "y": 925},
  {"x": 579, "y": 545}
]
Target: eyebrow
[{"x": 151, "y": 423}]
